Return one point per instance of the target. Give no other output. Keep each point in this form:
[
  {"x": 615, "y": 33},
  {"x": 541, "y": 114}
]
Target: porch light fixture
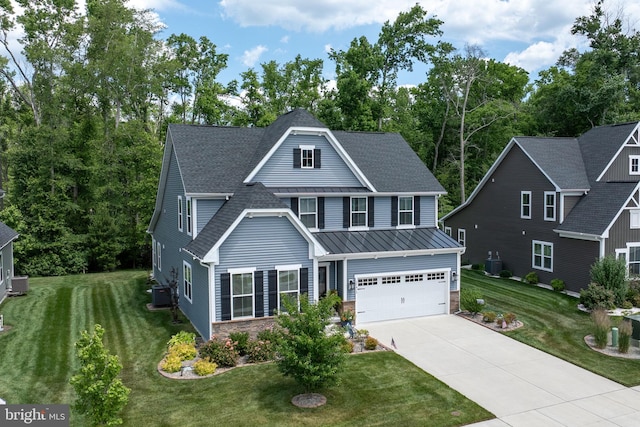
[
  {"x": 454, "y": 276},
  {"x": 352, "y": 285}
]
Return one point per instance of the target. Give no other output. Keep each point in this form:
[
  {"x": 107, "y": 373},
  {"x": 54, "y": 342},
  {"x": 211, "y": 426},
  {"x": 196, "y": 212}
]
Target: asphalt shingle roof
[
  {"x": 7, "y": 234},
  {"x": 393, "y": 240}
]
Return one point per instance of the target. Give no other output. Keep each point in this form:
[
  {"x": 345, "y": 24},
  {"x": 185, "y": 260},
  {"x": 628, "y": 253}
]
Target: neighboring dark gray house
[
  {"x": 248, "y": 215},
  {"x": 556, "y": 205}
]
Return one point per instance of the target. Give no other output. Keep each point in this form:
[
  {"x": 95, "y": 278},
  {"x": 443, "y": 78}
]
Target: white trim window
[
  {"x": 288, "y": 284},
  {"x": 549, "y": 206},
  {"x": 189, "y": 216},
  {"x": 306, "y": 156},
  {"x": 242, "y": 294},
  {"x": 159, "y": 255},
  {"x": 153, "y": 251},
  {"x": 405, "y": 210},
  {"x": 542, "y": 255},
  {"x": 525, "y": 204},
  {"x": 180, "y": 217},
  {"x": 462, "y": 236},
  {"x": 634, "y": 218},
  {"x": 633, "y": 261},
  {"x": 447, "y": 231},
  {"x": 187, "y": 280},
  {"x": 2, "y": 268},
  {"x": 308, "y": 211},
  {"x": 358, "y": 212},
  {"x": 634, "y": 164}
]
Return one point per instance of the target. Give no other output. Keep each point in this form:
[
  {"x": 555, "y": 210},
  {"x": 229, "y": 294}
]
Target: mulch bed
[
  {"x": 490, "y": 325},
  {"x": 633, "y": 353},
  {"x": 309, "y": 400}
]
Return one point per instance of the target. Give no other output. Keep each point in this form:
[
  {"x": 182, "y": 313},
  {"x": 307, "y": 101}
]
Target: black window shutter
[
  {"x": 295, "y": 205},
  {"x": 394, "y": 211},
  {"x": 370, "y": 212},
  {"x": 258, "y": 281},
  {"x": 346, "y": 212},
  {"x": 416, "y": 210},
  {"x": 225, "y": 295},
  {"x": 273, "y": 291},
  {"x": 321, "y": 212},
  {"x": 304, "y": 281},
  {"x": 317, "y": 164},
  {"x": 297, "y": 158}
]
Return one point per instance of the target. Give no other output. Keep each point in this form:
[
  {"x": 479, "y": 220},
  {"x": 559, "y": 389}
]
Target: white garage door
[{"x": 398, "y": 296}]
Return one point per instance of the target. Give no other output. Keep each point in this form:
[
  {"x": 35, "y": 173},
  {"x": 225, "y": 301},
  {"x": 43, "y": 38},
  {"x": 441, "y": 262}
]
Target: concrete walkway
[{"x": 522, "y": 386}]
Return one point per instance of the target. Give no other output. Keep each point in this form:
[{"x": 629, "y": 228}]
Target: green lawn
[
  {"x": 37, "y": 359},
  {"x": 552, "y": 323}
]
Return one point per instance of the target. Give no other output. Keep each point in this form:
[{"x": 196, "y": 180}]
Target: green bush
[
  {"x": 171, "y": 363},
  {"x": 601, "y": 325},
  {"x": 611, "y": 273},
  {"x": 633, "y": 292},
  {"x": 489, "y": 316},
  {"x": 557, "y": 285},
  {"x": 506, "y": 274},
  {"x": 221, "y": 352},
  {"x": 182, "y": 337},
  {"x": 241, "y": 340},
  {"x": 273, "y": 335},
  {"x": 370, "y": 343},
  {"x": 624, "y": 336},
  {"x": 204, "y": 367},
  {"x": 477, "y": 266},
  {"x": 627, "y": 305},
  {"x": 469, "y": 301},
  {"x": 260, "y": 351},
  {"x": 184, "y": 351},
  {"x": 348, "y": 346},
  {"x": 509, "y": 318},
  {"x": 531, "y": 278},
  {"x": 596, "y": 296}
]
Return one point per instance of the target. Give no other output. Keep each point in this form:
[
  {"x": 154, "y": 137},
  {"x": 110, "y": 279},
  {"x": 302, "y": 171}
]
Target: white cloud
[
  {"x": 252, "y": 56},
  {"x": 327, "y": 48},
  {"x": 284, "y": 39}
]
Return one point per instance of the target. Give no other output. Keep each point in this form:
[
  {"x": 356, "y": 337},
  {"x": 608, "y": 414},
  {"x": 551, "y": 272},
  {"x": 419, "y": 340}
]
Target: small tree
[
  {"x": 101, "y": 395},
  {"x": 471, "y": 300},
  {"x": 611, "y": 273},
  {"x": 307, "y": 353}
]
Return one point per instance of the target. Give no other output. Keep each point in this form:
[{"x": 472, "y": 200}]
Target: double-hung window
[
  {"x": 288, "y": 285},
  {"x": 462, "y": 236},
  {"x": 634, "y": 260},
  {"x": 358, "y": 212},
  {"x": 634, "y": 165},
  {"x": 525, "y": 204},
  {"x": 405, "y": 210},
  {"x": 187, "y": 280},
  {"x": 189, "y": 216},
  {"x": 542, "y": 255},
  {"x": 307, "y": 158},
  {"x": 159, "y": 255},
  {"x": 180, "y": 217},
  {"x": 308, "y": 211},
  {"x": 549, "y": 206},
  {"x": 242, "y": 295}
]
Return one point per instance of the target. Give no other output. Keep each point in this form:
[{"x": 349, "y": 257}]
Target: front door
[{"x": 322, "y": 281}]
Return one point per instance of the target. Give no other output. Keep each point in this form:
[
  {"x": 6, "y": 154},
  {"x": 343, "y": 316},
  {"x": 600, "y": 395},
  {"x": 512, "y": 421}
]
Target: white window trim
[
  {"x": 522, "y": 204},
  {"x": 366, "y": 213},
  {"x": 533, "y": 255},
  {"x": 315, "y": 213},
  {"x": 251, "y": 270},
  {"x": 633, "y": 157},
  {"x": 448, "y": 231},
  {"x": 153, "y": 251},
  {"x": 189, "y": 216},
  {"x": 411, "y": 224},
  {"x": 634, "y": 218},
  {"x": 462, "y": 236},
  {"x": 290, "y": 267},
  {"x": 180, "y": 214},
  {"x": 555, "y": 202},
  {"x": 304, "y": 148},
  {"x": 187, "y": 290},
  {"x": 159, "y": 255},
  {"x": 1, "y": 268}
]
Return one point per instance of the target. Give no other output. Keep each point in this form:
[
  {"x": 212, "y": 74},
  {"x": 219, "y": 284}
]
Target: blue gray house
[
  {"x": 7, "y": 236},
  {"x": 247, "y": 216}
]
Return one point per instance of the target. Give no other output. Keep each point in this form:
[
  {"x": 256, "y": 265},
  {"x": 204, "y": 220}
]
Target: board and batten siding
[
  {"x": 262, "y": 243},
  {"x": 279, "y": 170},
  {"x": 621, "y": 233},
  {"x": 205, "y": 210},
  {"x": 399, "y": 264},
  {"x": 619, "y": 169}
]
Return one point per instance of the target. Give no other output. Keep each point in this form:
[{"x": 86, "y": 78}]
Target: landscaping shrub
[
  {"x": 469, "y": 301},
  {"x": 477, "y": 266},
  {"x": 204, "y": 367},
  {"x": 601, "y": 325},
  {"x": 184, "y": 351},
  {"x": 557, "y": 285},
  {"x": 241, "y": 340},
  {"x": 271, "y": 334},
  {"x": 627, "y": 305},
  {"x": 531, "y": 278},
  {"x": 260, "y": 351},
  {"x": 348, "y": 346},
  {"x": 509, "y": 318},
  {"x": 505, "y": 274},
  {"x": 182, "y": 337},
  {"x": 489, "y": 316},
  {"x": 596, "y": 296},
  {"x": 611, "y": 273},
  {"x": 370, "y": 343},
  {"x": 221, "y": 352},
  {"x": 171, "y": 363},
  {"x": 624, "y": 336}
]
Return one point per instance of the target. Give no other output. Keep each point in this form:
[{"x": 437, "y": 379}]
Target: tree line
[{"x": 85, "y": 104}]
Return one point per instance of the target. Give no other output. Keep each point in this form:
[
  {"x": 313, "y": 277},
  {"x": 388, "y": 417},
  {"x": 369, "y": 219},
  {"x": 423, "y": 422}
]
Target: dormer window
[
  {"x": 306, "y": 157},
  {"x": 634, "y": 165}
]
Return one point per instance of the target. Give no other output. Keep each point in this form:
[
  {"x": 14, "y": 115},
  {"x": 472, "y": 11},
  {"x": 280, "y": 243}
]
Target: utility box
[
  {"x": 493, "y": 266},
  {"x": 19, "y": 285},
  {"x": 160, "y": 296},
  {"x": 635, "y": 322}
]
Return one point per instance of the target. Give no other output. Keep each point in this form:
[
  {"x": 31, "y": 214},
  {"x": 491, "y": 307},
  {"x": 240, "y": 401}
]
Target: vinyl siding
[
  {"x": 7, "y": 267},
  {"x": 619, "y": 169},
  {"x": 279, "y": 171},
  {"x": 621, "y": 233},
  {"x": 399, "y": 264},
  {"x": 263, "y": 243},
  {"x": 206, "y": 209},
  {"x": 569, "y": 203},
  {"x": 198, "y": 309}
]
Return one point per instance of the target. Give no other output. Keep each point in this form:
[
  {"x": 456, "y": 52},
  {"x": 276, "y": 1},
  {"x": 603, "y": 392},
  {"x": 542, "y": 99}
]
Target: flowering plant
[{"x": 346, "y": 316}]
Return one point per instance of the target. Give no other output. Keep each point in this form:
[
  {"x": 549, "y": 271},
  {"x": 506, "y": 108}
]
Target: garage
[{"x": 401, "y": 295}]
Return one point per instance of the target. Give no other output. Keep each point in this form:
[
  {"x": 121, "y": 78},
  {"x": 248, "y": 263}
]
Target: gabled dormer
[{"x": 612, "y": 153}]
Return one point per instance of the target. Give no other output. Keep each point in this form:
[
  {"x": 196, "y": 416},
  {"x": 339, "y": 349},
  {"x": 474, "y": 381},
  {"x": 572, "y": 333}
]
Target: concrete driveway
[{"x": 522, "y": 386}]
